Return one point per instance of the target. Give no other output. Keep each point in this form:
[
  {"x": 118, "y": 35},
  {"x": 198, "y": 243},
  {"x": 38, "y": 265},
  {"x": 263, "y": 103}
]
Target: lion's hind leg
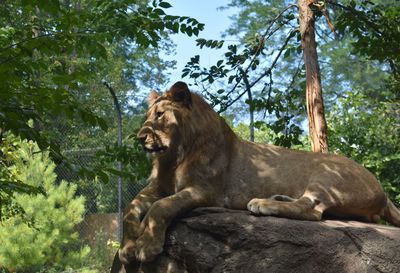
[{"x": 284, "y": 206}]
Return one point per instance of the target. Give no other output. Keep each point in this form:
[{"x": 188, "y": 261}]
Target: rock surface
[{"x": 223, "y": 241}]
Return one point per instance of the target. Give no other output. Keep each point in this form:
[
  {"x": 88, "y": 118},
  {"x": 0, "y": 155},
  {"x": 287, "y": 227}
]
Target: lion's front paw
[
  {"x": 126, "y": 253},
  {"x": 148, "y": 247},
  {"x": 262, "y": 207}
]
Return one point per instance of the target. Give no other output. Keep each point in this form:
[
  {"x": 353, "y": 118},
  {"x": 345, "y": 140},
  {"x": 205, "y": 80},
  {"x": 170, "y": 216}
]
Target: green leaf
[
  {"x": 102, "y": 123},
  {"x": 287, "y": 53},
  {"x": 159, "y": 11},
  {"x": 103, "y": 176},
  {"x": 165, "y": 5}
]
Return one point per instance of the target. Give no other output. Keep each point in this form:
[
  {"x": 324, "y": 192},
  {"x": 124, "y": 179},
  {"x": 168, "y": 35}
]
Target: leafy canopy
[{"x": 50, "y": 51}]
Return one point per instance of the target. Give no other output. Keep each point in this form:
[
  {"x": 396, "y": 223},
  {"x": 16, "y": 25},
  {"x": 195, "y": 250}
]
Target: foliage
[
  {"x": 260, "y": 136},
  {"x": 374, "y": 37},
  {"x": 54, "y": 54},
  {"x": 264, "y": 134},
  {"x": 266, "y": 64},
  {"x": 372, "y": 26},
  {"x": 99, "y": 157},
  {"x": 368, "y": 131},
  {"x": 28, "y": 247},
  {"x": 251, "y": 71},
  {"x": 365, "y": 124},
  {"x": 9, "y": 181},
  {"x": 102, "y": 252},
  {"x": 358, "y": 60}
]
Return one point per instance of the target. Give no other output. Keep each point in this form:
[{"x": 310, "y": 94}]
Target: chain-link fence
[
  {"x": 81, "y": 144},
  {"x": 101, "y": 227}
]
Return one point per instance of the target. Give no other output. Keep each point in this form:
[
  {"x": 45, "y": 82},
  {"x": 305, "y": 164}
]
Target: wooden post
[{"x": 315, "y": 105}]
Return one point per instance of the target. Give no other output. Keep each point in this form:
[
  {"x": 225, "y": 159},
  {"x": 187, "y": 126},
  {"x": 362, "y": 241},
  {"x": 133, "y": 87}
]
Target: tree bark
[{"x": 315, "y": 105}]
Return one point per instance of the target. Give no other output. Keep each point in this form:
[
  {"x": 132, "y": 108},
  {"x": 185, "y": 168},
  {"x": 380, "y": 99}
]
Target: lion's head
[
  {"x": 178, "y": 122},
  {"x": 161, "y": 133}
]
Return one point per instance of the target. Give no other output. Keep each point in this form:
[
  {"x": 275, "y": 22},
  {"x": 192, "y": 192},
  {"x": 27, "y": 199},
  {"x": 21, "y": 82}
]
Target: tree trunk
[{"x": 315, "y": 105}]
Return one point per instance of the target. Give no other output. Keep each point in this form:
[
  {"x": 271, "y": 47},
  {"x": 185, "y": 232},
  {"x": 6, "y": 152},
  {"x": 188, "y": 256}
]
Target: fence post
[{"x": 119, "y": 164}]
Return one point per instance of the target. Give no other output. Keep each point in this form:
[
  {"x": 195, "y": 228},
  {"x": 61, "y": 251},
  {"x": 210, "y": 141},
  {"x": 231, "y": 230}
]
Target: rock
[{"x": 219, "y": 240}]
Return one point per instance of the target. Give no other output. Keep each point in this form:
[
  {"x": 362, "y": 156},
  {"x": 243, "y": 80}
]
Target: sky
[{"x": 216, "y": 21}]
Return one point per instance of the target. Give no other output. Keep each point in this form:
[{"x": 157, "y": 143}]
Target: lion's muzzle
[
  {"x": 143, "y": 134},
  {"x": 151, "y": 141}
]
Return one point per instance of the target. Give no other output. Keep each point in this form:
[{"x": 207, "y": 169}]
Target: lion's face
[{"x": 160, "y": 132}]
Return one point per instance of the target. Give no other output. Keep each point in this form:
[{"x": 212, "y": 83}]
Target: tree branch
[
  {"x": 260, "y": 45},
  {"x": 358, "y": 14},
  {"x": 268, "y": 71},
  {"x": 251, "y": 109}
]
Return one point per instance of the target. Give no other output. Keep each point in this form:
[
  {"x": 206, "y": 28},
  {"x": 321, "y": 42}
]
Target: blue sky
[{"x": 216, "y": 21}]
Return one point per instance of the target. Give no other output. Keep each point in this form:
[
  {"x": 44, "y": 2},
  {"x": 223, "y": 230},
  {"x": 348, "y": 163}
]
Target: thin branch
[
  {"x": 118, "y": 109},
  {"x": 325, "y": 12},
  {"x": 26, "y": 40},
  {"x": 266, "y": 38},
  {"x": 251, "y": 109},
  {"x": 358, "y": 14},
  {"x": 291, "y": 34},
  {"x": 269, "y": 93},
  {"x": 263, "y": 37},
  {"x": 298, "y": 69},
  {"x": 268, "y": 71}
]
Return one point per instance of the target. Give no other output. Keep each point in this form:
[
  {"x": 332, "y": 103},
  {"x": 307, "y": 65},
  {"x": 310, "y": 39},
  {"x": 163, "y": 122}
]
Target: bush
[
  {"x": 47, "y": 240},
  {"x": 367, "y": 130}
]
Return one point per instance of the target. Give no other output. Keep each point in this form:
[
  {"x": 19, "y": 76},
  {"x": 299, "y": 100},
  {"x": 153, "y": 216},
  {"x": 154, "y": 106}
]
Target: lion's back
[{"x": 263, "y": 170}]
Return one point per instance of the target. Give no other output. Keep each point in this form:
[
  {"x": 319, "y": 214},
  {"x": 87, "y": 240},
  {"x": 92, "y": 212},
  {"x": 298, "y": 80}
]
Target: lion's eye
[{"x": 159, "y": 114}]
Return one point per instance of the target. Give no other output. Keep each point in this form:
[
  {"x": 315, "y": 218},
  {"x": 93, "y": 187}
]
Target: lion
[{"x": 199, "y": 161}]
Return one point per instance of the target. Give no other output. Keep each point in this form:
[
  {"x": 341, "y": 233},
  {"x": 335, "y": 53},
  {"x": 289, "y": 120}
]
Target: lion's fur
[
  {"x": 199, "y": 161},
  {"x": 201, "y": 123}
]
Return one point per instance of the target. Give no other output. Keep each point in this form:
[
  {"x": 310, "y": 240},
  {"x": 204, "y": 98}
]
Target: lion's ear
[
  {"x": 179, "y": 92},
  {"x": 152, "y": 97}
]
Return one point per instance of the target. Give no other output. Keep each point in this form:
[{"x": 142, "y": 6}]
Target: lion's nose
[
  {"x": 142, "y": 137},
  {"x": 143, "y": 134}
]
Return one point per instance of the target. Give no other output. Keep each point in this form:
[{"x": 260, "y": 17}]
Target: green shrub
[
  {"x": 367, "y": 130},
  {"x": 48, "y": 241}
]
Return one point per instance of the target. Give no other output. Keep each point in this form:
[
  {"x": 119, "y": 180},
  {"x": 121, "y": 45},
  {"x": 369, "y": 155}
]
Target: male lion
[{"x": 199, "y": 161}]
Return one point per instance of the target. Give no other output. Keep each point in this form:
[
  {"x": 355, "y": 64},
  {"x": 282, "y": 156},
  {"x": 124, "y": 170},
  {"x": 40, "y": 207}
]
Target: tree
[
  {"x": 314, "y": 100},
  {"x": 51, "y": 51},
  {"x": 29, "y": 246},
  {"x": 273, "y": 97},
  {"x": 358, "y": 54},
  {"x": 271, "y": 59}
]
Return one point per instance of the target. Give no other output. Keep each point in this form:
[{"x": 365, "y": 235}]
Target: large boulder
[{"x": 219, "y": 240}]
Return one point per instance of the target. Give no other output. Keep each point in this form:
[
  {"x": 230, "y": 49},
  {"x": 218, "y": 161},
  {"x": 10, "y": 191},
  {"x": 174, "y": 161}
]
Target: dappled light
[{"x": 193, "y": 136}]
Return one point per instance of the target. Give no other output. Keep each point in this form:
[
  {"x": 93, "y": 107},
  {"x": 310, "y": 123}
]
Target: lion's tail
[{"x": 391, "y": 214}]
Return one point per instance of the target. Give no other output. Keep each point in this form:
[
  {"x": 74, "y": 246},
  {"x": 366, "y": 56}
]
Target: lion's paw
[
  {"x": 147, "y": 248},
  {"x": 262, "y": 207},
  {"x": 126, "y": 253}
]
